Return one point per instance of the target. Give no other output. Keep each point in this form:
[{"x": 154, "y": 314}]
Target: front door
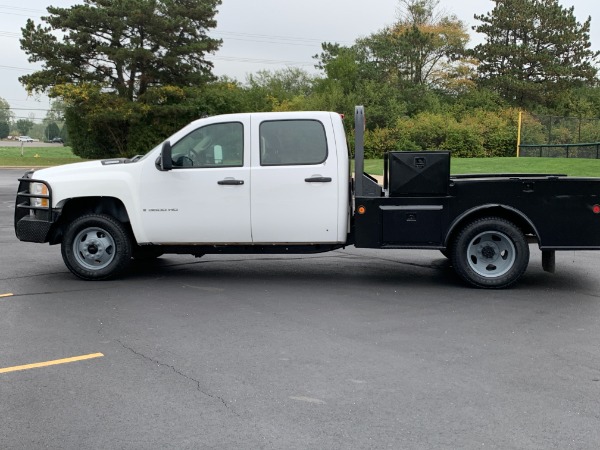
[{"x": 205, "y": 199}]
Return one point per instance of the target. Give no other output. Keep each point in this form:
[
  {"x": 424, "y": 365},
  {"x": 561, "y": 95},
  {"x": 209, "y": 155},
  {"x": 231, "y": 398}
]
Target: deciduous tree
[
  {"x": 417, "y": 44},
  {"x": 4, "y": 129},
  {"x": 6, "y": 114},
  {"x": 24, "y": 125}
]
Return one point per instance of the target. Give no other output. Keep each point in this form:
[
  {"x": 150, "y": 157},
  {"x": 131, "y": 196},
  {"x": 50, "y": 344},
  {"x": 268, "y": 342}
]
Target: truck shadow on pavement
[{"x": 347, "y": 272}]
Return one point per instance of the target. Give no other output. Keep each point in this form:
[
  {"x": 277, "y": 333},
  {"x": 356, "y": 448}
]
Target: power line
[
  {"x": 296, "y": 42},
  {"x": 20, "y": 15},
  {"x": 269, "y": 42},
  {"x": 31, "y": 109},
  {"x": 9, "y": 34},
  {"x": 269, "y": 37},
  {"x": 21, "y": 100},
  {"x": 18, "y": 8},
  {"x": 237, "y": 36},
  {"x": 218, "y": 58},
  {"x": 261, "y": 61},
  {"x": 274, "y": 37},
  {"x": 291, "y": 39},
  {"x": 16, "y": 68}
]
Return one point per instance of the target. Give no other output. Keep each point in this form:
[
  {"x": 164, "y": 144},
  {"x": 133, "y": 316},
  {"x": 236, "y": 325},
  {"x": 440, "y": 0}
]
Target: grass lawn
[
  {"x": 571, "y": 166},
  {"x": 36, "y": 156},
  {"x": 53, "y": 156}
]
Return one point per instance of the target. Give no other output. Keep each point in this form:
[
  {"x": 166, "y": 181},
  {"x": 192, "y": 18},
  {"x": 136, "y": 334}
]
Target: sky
[{"x": 257, "y": 35}]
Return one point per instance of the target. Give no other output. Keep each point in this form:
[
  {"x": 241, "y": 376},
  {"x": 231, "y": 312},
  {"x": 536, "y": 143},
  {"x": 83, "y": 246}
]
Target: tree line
[
  {"x": 131, "y": 72},
  {"x": 50, "y": 127}
]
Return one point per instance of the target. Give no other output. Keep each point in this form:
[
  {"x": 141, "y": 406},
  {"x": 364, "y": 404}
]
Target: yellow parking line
[
  {"x": 6, "y": 295},
  {"x": 51, "y": 363}
]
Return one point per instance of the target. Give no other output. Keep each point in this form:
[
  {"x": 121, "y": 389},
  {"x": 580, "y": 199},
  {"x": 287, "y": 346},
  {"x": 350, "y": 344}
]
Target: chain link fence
[{"x": 559, "y": 137}]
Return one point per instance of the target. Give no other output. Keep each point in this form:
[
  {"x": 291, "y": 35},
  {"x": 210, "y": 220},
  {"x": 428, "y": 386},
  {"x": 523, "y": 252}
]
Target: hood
[
  {"x": 67, "y": 169},
  {"x": 79, "y": 169}
]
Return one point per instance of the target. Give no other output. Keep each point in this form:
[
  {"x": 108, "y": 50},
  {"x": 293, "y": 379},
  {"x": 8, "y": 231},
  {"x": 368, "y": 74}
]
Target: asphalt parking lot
[{"x": 348, "y": 350}]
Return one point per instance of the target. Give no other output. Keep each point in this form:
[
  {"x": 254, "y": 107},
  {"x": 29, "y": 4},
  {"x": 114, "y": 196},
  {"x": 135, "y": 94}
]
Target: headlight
[{"x": 39, "y": 189}]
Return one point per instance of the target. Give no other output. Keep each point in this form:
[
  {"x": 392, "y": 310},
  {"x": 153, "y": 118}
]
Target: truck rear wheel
[
  {"x": 490, "y": 253},
  {"x": 96, "y": 247}
]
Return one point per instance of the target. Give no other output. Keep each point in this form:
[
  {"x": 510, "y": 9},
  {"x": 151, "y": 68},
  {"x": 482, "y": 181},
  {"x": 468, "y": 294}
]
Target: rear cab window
[{"x": 292, "y": 142}]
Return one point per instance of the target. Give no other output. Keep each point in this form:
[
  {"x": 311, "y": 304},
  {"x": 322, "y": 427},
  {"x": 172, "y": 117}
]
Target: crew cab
[{"x": 282, "y": 183}]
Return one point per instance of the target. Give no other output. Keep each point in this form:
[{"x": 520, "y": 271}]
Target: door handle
[
  {"x": 318, "y": 180},
  {"x": 230, "y": 182}
]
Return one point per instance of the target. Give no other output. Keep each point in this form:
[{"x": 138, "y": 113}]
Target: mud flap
[{"x": 549, "y": 261}]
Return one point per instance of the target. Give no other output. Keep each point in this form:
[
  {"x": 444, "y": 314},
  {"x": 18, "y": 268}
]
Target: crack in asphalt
[
  {"x": 178, "y": 372},
  {"x": 32, "y": 275}
]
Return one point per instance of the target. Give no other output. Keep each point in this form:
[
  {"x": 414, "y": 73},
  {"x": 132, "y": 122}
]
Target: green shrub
[
  {"x": 379, "y": 141},
  {"x": 463, "y": 142}
]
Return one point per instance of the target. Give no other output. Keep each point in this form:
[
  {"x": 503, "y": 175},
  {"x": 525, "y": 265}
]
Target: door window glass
[
  {"x": 216, "y": 145},
  {"x": 292, "y": 142}
]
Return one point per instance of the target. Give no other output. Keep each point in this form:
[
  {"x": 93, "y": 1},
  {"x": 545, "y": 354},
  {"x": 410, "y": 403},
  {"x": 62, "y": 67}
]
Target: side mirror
[{"x": 166, "y": 161}]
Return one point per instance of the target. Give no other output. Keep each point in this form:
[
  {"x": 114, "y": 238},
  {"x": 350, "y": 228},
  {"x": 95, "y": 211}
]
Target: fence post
[{"x": 519, "y": 134}]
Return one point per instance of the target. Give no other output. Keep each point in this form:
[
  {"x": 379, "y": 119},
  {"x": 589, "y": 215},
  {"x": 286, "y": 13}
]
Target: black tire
[
  {"x": 490, "y": 253},
  {"x": 96, "y": 247}
]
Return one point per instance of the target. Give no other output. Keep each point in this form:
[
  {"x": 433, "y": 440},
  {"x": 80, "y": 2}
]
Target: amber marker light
[
  {"x": 44, "y": 201},
  {"x": 361, "y": 209}
]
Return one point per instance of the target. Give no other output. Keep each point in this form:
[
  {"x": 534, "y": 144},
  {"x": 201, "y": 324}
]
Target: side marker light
[
  {"x": 596, "y": 209},
  {"x": 361, "y": 209}
]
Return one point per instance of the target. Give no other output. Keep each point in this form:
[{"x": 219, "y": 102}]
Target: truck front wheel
[
  {"x": 96, "y": 247},
  {"x": 490, "y": 253}
]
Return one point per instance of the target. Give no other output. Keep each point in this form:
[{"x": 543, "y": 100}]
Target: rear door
[{"x": 294, "y": 180}]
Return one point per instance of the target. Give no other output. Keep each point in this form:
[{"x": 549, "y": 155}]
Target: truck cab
[
  {"x": 239, "y": 183},
  {"x": 271, "y": 178}
]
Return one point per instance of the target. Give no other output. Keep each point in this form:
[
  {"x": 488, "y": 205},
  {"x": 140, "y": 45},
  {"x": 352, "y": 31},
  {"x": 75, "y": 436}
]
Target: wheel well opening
[
  {"x": 494, "y": 211},
  {"x": 77, "y": 207}
]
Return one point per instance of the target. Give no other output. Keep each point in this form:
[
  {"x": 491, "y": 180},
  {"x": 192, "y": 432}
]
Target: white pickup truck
[{"x": 281, "y": 183}]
